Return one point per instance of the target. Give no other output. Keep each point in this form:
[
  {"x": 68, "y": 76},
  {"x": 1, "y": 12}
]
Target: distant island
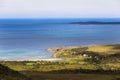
[{"x": 95, "y": 22}]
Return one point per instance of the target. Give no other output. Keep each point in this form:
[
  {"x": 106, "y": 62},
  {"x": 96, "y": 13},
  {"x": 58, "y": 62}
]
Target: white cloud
[{"x": 60, "y": 8}]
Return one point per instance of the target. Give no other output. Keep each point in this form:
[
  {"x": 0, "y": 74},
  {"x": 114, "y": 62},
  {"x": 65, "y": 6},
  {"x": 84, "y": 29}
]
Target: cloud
[
  {"x": 61, "y": 8},
  {"x": 1, "y": 3}
]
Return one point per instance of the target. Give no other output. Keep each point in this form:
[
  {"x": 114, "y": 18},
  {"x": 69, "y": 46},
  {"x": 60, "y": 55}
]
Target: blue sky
[{"x": 59, "y": 8}]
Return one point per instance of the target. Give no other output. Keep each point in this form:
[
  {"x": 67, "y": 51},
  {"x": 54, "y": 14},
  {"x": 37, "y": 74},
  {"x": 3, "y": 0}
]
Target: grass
[
  {"x": 47, "y": 66},
  {"x": 105, "y": 49}
]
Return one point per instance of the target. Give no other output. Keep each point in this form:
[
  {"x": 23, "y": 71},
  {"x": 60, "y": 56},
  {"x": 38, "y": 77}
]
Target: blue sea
[{"x": 30, "y": 38}]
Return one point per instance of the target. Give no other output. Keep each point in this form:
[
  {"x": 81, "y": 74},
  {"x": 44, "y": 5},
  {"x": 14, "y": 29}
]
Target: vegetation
[
  {"x": 96, "y": 54},
  {"x": 8, "y": 74},
  {"x": 72, "y": 76},
  {"x": 88, "y": 60}
]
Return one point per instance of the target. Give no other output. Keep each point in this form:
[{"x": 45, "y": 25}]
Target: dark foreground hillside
[{"x": 8, "y": 74}]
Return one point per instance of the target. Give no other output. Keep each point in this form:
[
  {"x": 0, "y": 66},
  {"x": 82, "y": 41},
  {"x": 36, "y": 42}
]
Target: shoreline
[
  {"x": 53, "y": 52},
  {"x": 49, "y": 59}
]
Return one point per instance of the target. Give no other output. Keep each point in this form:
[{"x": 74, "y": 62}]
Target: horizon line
[{"x": 67, "y": 18}]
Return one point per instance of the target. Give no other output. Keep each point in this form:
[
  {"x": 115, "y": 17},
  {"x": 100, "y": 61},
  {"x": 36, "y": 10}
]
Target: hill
[
  {"x": 95, "y": 54},
  {"x": 9, "y": 74}
]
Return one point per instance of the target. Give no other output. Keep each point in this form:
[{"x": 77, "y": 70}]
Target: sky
[{"x": 59, "y": 8}]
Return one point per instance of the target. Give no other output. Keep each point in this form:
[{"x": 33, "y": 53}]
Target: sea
[{"x": 22, "y": 39}]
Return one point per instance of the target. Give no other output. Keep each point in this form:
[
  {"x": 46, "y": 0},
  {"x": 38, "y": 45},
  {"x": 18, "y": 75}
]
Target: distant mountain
[
  {"x": 9, "y": 74},
  {"x": 95, "y": 22}
]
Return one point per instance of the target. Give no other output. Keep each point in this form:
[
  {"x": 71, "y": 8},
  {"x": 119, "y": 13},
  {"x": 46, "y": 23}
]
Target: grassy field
[{"x": 98, "y": 62}]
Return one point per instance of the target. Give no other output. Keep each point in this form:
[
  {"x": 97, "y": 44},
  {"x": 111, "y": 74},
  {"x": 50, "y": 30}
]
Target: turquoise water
[{"x": 30, "y": 39}]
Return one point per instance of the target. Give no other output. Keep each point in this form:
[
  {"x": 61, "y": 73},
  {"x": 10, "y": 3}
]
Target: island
[{"x": 95, "y": 22}]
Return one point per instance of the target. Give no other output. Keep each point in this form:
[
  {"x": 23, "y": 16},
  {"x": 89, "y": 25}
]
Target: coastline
[
  {"x": 49, "y": 59},
  {"x": 54, "y": 51},
  {"x": 94, "y": 59}
]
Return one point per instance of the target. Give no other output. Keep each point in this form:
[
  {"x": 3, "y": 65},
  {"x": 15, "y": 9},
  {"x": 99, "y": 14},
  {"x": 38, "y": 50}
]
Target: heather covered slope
[{"x": 9, "y": 74}]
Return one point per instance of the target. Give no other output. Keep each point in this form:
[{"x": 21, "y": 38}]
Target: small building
[{"x": 85, "y": 55}]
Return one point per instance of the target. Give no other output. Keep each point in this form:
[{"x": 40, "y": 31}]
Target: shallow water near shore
[{"x": 31, "y": 41}]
